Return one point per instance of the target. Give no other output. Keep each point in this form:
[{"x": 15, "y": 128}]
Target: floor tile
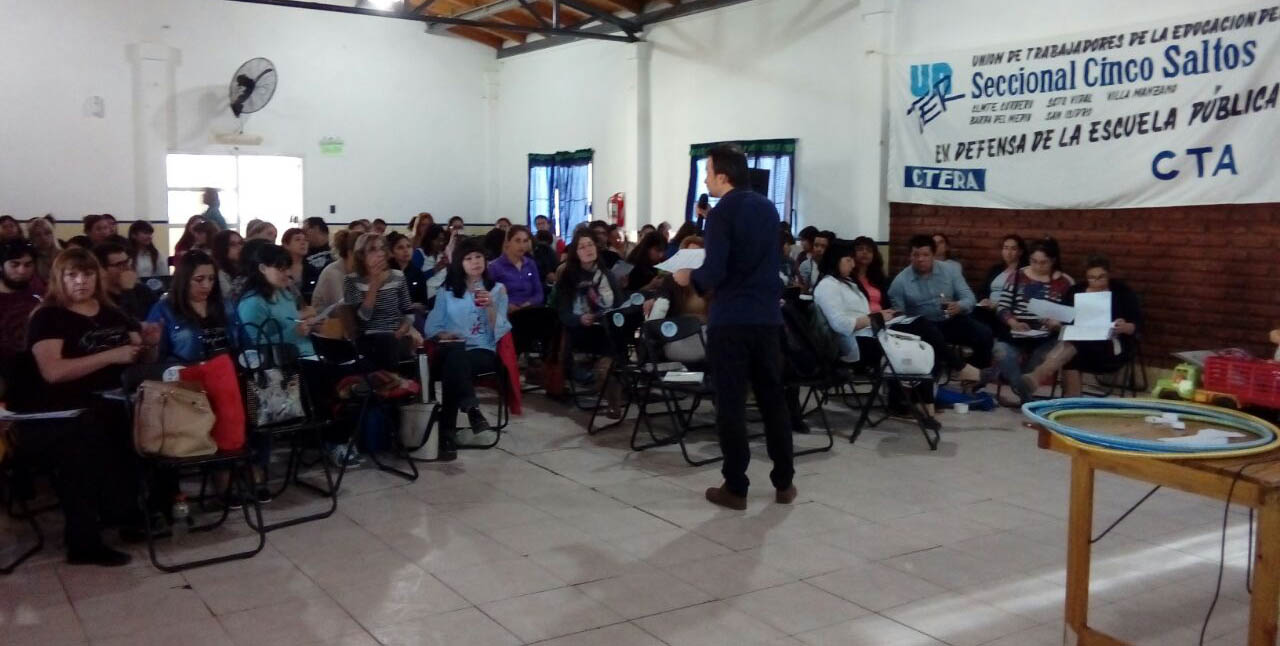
[
  {"x": 27, "y": 625},
  {"x": 731, "y": 575},
  {"x": 797, "y": 607},
  {"x": 615, "y": 635},
  {"x": 126, "y": 613},
  {"x": 644, "y": 593},
  {"x": 871, "y": 630},
  {"x": 496, "y": 580},
  {"x": 876, "y": 586},
  {"x": 415, "y": 594},
  {"x": 297, "y": 623},
  {"x": 958, "y": 620},
  {"x": 553, "y": 613},
  {"x": 709, "y": 624},
  {"x": 467, "y": 626}
]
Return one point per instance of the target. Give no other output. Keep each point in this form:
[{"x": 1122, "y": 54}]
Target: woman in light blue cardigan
[{"x": 469, "y": 317}]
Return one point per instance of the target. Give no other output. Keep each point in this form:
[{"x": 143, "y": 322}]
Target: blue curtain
[
  {"x": 774, "y": 155},
  {"x": 560, "y": 188},
  {"x": 573, "y": 183}
]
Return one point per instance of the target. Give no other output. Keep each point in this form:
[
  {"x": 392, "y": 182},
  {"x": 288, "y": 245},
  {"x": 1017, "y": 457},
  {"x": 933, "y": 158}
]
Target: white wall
[
  {"x": 410, "y": 107},
  {"x": 760, "y": 70}
]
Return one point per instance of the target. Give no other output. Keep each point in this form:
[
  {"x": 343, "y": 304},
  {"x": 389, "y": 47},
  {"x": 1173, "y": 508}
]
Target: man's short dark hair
[
  {"x": 786, "y": 238},
  {"x": 808, "y": 233},
  {"x": 104, "y": 251},
  {"x": 16, "y": 249},
  {"x": 380, "y": 221},
  {"x": 544, "y": 237},
  {"x": 541, "y": 217},
  {"x": 922, "y": 240},
  {"x": 730, "y": 161},
  {"x": 316, "y": 223},
  {"x": 829, "y": 235}
]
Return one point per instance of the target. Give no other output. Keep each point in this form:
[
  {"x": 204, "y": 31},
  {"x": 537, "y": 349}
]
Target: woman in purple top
[{"x": 516, "y": 270}]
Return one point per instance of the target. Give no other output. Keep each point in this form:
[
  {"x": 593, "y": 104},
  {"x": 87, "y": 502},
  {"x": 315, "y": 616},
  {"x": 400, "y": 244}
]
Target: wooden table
[{"x": 1258, "y": 488}]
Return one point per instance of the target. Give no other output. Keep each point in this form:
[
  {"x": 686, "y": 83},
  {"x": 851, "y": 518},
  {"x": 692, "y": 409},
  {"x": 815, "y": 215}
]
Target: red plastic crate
[{"x": 1253, "y": 381}]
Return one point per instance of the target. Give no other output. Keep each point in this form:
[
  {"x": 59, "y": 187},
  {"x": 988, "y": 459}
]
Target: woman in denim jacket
[{"x": 193, "y": 323}]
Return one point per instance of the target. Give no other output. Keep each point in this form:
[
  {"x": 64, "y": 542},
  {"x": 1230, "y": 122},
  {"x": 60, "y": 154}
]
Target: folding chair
[
  {"x": 16, "y": 486},
  {"x": 534, "y": 330},
  {"x": 632, "y": 302},
  {"x": 620, "y": 326},
  {"x": 498, "y": 379},
  {"x": 887, "y": 374},
  {"x": 656, "y": 336},
  {"x": 343, "y": 353},
  {"x": 237, "y": 462}
]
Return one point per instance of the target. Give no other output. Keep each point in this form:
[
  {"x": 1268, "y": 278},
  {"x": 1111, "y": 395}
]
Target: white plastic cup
[{"x": 962, "y": 409}]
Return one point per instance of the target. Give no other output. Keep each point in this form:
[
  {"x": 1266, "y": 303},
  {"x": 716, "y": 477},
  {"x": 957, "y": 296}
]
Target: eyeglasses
[{"x": 120, "y": 264}]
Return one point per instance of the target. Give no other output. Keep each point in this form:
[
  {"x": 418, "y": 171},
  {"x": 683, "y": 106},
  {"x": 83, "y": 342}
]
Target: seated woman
[
  {"x": 1013, "y": 257},
  {"x": 1093, "y": 356},
  {"x": 380, "y": 297},
  {"x": 670, "y": 301},
  {"x": 269, "y": 309},
  {"x": 1030, "y": 337},
  {"x": 584, "y": 291},
  {"x": 469, "y": 318},
  {"x": 329, "y": 285},
  {"x": 227, "y": 245},
  {"x": 649, "y": 251},
  {"x": 303, "y": 274},
  {"x": 81, "y": 345},
  {"x": 431, "y": 259},
  {"x": 192, "y": 319},
  {"x": 851, "y": 291},
  {"x": 516, "y": 270},
  {"x": 402, "y": 259}
]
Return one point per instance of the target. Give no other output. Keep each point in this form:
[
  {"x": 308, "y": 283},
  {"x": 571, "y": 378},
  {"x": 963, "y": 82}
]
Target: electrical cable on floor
[
  {"x": 1123, "y": 516},
  {"x": 1222, "y": 549}
]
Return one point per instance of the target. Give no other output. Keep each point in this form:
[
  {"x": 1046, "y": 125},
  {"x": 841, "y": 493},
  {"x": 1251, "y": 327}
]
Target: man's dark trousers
[{"x": 742, "y": 355}]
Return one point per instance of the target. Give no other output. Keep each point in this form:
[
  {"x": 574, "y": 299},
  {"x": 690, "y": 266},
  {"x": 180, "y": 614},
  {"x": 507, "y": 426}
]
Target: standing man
[
  {"x": 213, "y": 214},
  {"x": 745, "y": 324}
]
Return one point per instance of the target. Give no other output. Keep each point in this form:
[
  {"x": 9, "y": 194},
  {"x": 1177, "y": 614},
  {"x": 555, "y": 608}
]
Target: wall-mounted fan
[{"x": 252, "y": 86}]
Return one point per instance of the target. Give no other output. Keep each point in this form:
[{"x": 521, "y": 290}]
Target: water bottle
[{"x": 181, "y": 514}]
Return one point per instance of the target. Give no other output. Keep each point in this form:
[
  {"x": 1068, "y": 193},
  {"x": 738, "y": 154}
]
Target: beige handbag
[{"x": 173, "y": 420}]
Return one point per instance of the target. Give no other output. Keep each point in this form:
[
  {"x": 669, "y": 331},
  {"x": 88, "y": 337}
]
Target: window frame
[{"x": 754, "y": 149}]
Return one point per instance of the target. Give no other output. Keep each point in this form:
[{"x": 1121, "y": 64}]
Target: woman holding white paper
[
  {"x": 1093, "y": 356},
  {"x": 1030, "y": 337}
]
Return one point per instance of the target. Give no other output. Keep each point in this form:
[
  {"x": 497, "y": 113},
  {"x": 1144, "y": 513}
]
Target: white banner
[{"x": 1180, "y": 111}]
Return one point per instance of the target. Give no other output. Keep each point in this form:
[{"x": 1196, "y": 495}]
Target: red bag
[{"x": 218, "y": 376}]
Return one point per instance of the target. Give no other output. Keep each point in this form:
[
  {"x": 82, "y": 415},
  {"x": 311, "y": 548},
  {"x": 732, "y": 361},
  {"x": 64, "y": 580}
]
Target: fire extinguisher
[{"x": 618, "y": 209}]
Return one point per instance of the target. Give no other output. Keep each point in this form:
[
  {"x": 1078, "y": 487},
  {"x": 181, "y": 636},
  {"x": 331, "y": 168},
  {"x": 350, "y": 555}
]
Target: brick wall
[{"x": 1209, "y": 276}]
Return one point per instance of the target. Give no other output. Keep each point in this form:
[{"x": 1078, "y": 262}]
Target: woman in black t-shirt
[{"x": 81, "y": 344}]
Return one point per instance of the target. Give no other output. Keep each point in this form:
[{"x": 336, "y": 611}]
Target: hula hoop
[{"x": 1048, "y": 414}]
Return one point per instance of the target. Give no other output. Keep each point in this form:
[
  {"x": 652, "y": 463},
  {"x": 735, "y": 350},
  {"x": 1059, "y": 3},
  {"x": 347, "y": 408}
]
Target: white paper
[
  {"x": 1028, "y": 334},
  {"x": 1210, "y": 436},
  {"x": 1093, "y": 318},
  {"x": 1050, "y": 310},
  {"x": 900, "y": 320},
  {"x": 684, "y": 259},
  {"x": 620, "y": 270},
  {"x": 6, "y": 416},
  {"x": 676, "y": 377}
]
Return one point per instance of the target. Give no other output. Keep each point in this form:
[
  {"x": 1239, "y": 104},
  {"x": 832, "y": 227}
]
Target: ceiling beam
[
  {"x": 440, "y": 20},
  {"x": 625, "y": 25},
  {"x": 688, "y": 7},
  {"x": 533, "y": 12}
]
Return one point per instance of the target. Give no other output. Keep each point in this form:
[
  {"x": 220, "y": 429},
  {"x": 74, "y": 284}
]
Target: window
[
  {"x": 777, "y": 156},
  {"x": 560, "y": 188},
  {"x": 263, "y": 187}
]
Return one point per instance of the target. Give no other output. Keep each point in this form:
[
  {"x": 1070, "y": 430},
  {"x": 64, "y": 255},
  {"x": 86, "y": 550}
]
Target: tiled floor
[{"x": 567, "y": 539}]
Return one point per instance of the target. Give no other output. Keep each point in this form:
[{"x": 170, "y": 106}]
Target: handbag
[
  {"x": 223, "y": 389},
  {"x": 907, "y": 353},
  {"x": 273, "y": 383},
  {"x": 173, "y": 420}
]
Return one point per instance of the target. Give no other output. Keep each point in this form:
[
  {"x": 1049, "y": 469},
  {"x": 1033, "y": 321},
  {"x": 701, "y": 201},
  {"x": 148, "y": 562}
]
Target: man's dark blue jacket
[{"x": 743, "y": 257}]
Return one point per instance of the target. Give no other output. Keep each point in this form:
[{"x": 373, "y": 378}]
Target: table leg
[
  {"x": 1079, "y": 531},
  {"x": 1265, "y": 602}
]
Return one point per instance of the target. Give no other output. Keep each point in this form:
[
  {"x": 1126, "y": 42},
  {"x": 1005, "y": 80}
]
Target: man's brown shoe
[
  {"x": 725, "y": 498},
  {"x": 786, "y": 496}
]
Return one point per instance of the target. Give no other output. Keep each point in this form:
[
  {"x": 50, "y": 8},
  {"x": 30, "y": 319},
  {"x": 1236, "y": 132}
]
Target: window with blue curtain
[
  {"x": 778, "y": 156},
  {"x": 560, "y": 188}
]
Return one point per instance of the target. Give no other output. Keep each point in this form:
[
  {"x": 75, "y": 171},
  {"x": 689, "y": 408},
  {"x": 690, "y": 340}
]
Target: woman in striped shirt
[
  {"x": 1030, "y": 337},
  {"x": 380, "y": 297}
]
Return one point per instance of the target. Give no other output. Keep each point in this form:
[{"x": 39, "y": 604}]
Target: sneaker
[
  {"x": 467, "y": 437},
  {"x": 99, "y": 555},
  {"x": 339, "y": 456},
  {"x": 478, "y": 423}
]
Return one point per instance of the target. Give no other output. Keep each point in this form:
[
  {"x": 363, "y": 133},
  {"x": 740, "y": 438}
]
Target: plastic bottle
[{"x": 181, "y": 515}]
